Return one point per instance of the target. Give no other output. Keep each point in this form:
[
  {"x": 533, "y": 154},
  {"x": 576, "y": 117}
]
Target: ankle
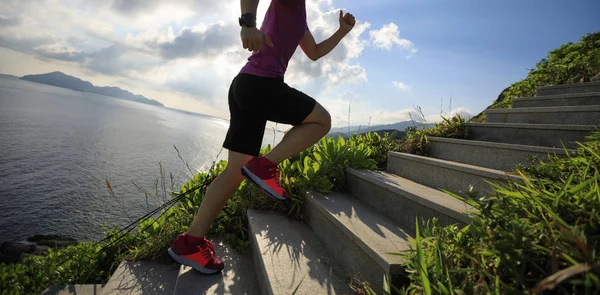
[
  {"x": 191, "y": 239},
  {"x": 272, "y": 159}
]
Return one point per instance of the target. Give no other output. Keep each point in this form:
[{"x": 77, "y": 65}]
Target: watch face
[{"x": 248, "y": 20}]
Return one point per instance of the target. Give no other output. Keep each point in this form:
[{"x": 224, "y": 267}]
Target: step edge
[
  {"x": 571, "y": 85},
  {"x": 336, "y": 273},
  {"x": 460, "y": 215},
  {"x": 560, "y": 96},
  {"x": 457, "y": 166},
  {"x": 501, "y": 145},
  {"x": 371, "y": 252},
  {"x": 179, "y": 273},
  {"x": 554, "y": 109},
  {"x": 261, "y": 261},
  {"x": 533, "y": 126}
]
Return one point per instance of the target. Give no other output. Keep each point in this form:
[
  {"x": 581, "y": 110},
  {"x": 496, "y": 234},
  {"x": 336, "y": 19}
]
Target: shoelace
[
  {"x": 208, "y": 251},
  {"x": 275, "y": 173}
]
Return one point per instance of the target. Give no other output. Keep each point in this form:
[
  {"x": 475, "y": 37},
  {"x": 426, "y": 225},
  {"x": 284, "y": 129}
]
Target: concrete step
[
  {"x": 403, "y": 200},
  {"x": 142, "y": 277},
  {"x": 493, "y": 155},
  {"x": 575, "y": 99},
  {"x": 359, "y": 237},
  {"x": 441, "y": 174},
  {"x": 568, "y": 88},
  {"x": 88, "y": 289},
  {"x": 237, "y": 277},
  {"x": 288, "y": 255},
  {"x": 568, "y": 115},
  {"x": 548, "y": 135}
]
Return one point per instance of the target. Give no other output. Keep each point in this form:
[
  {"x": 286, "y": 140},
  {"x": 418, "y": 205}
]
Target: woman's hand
[
  {"x": 253, "y": 38},
  {"x": 346, "y": 22}
]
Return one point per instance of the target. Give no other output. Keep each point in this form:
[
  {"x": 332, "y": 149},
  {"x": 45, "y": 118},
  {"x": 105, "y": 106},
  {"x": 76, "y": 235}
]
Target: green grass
[
  {"x": 319, "y": 168},
  {"x": 542, "y": 235},
  {"x": 416, "y": 141}
]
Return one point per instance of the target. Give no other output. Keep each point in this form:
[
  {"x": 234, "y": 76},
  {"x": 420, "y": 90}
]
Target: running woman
[{"x": 259, "y": 94}]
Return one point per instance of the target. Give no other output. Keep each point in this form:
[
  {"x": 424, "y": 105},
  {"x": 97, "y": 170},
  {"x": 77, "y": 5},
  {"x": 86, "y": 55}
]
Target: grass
[
  {"x": 319, "y": 168},
  {"x": 416, "y": 140},
  {"x": 539, "y": 236}
]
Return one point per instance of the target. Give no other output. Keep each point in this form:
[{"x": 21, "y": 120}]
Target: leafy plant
[
  {"x": 320, "y": 167},
  {"x": 539, "y": 236},
  {"x": 416, "y": 140}
]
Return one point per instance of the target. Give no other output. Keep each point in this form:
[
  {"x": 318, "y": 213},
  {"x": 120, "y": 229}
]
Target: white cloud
[
  {"x": 401, "y": 86},
  {"x": 181, "y": 53},
  {"x": 389, "y": 36},
  {"x": 340, "y": 66}
]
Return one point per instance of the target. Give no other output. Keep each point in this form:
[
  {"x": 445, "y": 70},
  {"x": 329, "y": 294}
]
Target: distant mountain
[
  {"x": 400, "y": 126},
  {"x": 399, "y": 134},
  {"x": 60, "y": 79},
  {"x": 8, "y": 76}
]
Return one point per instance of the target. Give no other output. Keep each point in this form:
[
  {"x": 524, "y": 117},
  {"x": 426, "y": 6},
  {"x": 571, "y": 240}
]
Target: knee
[{"x": 326, "y": 122}]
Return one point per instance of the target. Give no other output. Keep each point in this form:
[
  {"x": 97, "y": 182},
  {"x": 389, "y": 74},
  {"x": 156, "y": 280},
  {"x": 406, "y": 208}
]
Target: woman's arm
[
  {"x": 315, "y": 51},
  {"x": 252, "y": 37}
]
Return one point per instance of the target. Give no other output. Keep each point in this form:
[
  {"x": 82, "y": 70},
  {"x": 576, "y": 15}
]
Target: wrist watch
[{"x": 248, "y": 20}]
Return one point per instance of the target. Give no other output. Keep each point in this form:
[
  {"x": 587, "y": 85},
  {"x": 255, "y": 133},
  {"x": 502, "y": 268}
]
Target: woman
[{"x": 259, "y": 94}]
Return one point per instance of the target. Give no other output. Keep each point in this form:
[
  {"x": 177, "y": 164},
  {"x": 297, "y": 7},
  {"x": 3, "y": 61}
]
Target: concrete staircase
[{"x": 356, "y": 233}]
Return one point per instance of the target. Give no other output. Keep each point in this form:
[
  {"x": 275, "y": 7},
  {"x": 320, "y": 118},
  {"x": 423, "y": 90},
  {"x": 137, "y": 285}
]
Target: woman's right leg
[{"x": 219, "y": 191}]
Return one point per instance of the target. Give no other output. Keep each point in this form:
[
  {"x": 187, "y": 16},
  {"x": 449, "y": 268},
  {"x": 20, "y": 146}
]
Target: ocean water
[{"x": 59, "y": 147}]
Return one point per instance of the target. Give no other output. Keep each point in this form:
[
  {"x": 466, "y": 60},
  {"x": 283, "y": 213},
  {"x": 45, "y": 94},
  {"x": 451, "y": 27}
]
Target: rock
[
  {"x": 13, "y": 252},
  {"x": 38, "y": 238},
  {"x": 54, "y": 241}
]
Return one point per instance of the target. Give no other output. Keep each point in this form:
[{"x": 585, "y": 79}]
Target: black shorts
[{"x": 254, "y": 100}]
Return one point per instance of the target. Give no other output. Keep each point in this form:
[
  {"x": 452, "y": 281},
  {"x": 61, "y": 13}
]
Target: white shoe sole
[
  {"x": 192, "y": 264},
  {"x": 256, "y": 180}
]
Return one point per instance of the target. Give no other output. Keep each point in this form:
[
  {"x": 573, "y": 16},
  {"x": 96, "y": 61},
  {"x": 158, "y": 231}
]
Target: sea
[{"x": 61, "y": 150}]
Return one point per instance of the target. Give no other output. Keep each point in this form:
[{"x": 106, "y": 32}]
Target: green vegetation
[
  {"x": 542, "y": 235},
  {"x": 570, "y": 63},
  {"x": 416, "y": 140},
  {"x": 528, "y": 238},
  {"x": 320, "y": 168}
]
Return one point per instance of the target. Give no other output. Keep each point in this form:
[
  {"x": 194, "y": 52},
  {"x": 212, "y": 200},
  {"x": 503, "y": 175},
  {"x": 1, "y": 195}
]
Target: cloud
[
  {"x": 463, "y": 112},
  {"x": 8, "y": 21},
  {"x": 187, "y": 47},
  {"x": 389, "y": 36},
  {"x": 115, "y": 60},
  {"x": 340, "y": 66},
  {"x": 401, "y": 86},
  {"x": 135, "y": 6},
  {"x": 203, "y": 39}
]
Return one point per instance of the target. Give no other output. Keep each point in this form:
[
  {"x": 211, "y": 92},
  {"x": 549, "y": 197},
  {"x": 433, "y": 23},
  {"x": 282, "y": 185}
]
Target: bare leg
[
  {"x": 301, "y": 137},
  {"x": 219, "y": 191}
]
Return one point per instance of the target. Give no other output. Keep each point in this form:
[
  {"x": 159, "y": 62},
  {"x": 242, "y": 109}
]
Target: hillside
[
  {"x": 570, "y": 63},
  {"x": 400, "y": 126},
  {"x": 8, "y": 76},
  {"x": 60, "y": 79}
]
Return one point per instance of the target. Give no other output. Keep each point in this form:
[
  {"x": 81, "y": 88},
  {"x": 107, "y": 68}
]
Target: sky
[{"x": 440, "y": 56}]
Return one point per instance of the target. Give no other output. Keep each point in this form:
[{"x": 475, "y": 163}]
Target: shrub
[
  {"x": 538, "y": 236},
  {"x": 416, "y": 140},
  {"x": 320, "y": 167}
]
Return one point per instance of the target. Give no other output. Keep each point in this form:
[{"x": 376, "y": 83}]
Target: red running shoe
[
  {"x": 265, "y": 174},
  {"x": 197, "y": 253}
]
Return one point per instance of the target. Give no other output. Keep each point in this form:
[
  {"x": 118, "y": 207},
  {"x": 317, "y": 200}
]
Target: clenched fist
[
  {"x": 346, "y": 22},
  {"x": 253, "y": 38}
]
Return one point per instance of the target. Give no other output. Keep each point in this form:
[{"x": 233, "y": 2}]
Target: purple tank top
[{"x": 285, "y": 23}]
